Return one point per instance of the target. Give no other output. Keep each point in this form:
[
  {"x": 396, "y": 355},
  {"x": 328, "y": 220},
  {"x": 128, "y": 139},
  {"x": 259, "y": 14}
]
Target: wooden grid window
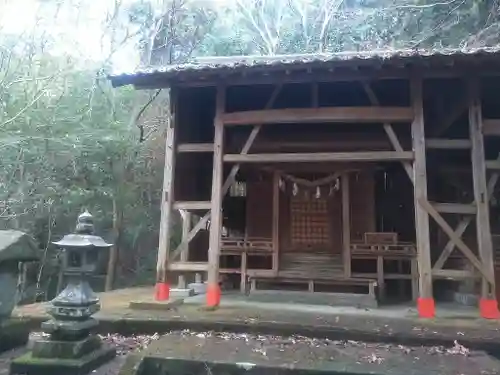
[{"x": 309, "y": 221}]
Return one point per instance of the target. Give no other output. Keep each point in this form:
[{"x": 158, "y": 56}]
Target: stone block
[
  {"x": 198, "y": 288},
  {"x": 47, "y": 348},
  {"x": 181, "y": 292}
]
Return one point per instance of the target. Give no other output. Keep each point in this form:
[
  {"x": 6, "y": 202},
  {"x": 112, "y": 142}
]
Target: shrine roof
[{"x": 201, "y": 68}]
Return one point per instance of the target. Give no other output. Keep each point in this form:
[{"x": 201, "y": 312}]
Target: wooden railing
[{"x": 254, "y": 245}]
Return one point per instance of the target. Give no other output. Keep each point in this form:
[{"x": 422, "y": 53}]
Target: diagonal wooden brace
[
  {"x": 457, "y": 240},
  {"x": 463, "y": 225},
  {"x": 393, "y": 138}
]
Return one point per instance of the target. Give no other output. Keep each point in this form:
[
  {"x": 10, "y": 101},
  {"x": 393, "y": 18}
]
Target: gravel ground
[{"x": 295, "y": 351}]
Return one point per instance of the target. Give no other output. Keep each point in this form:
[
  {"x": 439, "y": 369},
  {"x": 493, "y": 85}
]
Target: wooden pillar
[
  {"x": 346, "y": 224},
  {"x": 243, "y": 272},
  {"x": 425, "y": 302},
  {"x": 213, "y": 289},
  {"x": 276, "y": 213},
  {"x": 488, "y": 304},
  {"x": 162, "y": 286},
  {"x": 186, "y": 228}
]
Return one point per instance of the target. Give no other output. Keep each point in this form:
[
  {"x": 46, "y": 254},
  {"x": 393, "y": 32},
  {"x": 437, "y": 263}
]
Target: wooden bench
[{"x": 310, "y": 282}]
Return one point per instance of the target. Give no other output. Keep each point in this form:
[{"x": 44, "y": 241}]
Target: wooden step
[{"x": 316, "y": 265}]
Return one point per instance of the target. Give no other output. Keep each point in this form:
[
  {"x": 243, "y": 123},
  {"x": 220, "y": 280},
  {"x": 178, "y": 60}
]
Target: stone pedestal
[
  {"x": 28, "y": 364},
  {"x": 68, "y": 349}
]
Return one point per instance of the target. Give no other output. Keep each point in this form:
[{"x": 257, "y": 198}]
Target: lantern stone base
[
  {"x": 67, "y": 349},
  {"x": 28, "y": 364},
  {"x": 47, "y": 348}
]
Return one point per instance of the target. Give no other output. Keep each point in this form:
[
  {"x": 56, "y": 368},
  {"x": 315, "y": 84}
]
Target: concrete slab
[
  {"x": 180, "y": 353},
  {"x": 149, "y": 303}
]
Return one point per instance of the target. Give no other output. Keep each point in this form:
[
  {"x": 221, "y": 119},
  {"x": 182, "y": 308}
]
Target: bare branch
[{"x": 29, "y": 105}]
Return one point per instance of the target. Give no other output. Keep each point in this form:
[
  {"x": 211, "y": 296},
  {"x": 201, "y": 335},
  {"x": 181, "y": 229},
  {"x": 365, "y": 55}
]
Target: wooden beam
[
  {"x": 230, "y": 178},
  {"x": 493, "y": 164},
  {"x": 455, "y": 208},
  {"x": 457, "y": 240},
  {"x": 213, "y": 291},
  {"x": 280, "y": 76},
  {"x": 346, "y": 224},
  {"x": 491, "y": 127},
  {"x": 189, "y": 266},
  {"x": 195, "y": 147},
  {"x": 318, "y": 115},
  {"x": 483, "y": 228},
  {"x": 448, "y": 144},
  {"x": 333, "y": 145},
  {"x": 391, "y": 134},
  {"x": 186, "y": 227},
  {"x": 320, "y": 157},
  {"x": 243, "y": 272},
  {"x": 454, "y": 274},
  {"x": 276, "y": 215},
  {"x": 192, "y": 205},
  {"x": 420, "y": 192},
  {"x": 167, "y": 194}
]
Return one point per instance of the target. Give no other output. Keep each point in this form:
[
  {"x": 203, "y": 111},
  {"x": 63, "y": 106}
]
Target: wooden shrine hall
[{"x": 368, "y": 173}]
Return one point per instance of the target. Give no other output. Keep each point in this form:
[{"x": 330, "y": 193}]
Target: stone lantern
[
  {"x": 69, "y": 345},
  {"x": 15, "y": 247},
  {"x": 77, "y": 302}
]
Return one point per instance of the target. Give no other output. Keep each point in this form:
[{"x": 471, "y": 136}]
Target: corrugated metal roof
[{"x": 218, "y": 65}]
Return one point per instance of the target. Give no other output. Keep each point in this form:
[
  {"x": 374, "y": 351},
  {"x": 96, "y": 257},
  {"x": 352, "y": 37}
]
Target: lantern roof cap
[{"x": 84, "y": 234}]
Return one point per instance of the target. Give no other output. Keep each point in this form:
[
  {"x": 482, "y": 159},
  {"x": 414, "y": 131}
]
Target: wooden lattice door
[{"x": 310, "y": 225}]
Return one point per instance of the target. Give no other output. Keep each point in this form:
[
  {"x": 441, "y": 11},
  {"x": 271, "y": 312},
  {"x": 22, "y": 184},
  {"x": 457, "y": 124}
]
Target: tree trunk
[{"x": 113, "y": 254}]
